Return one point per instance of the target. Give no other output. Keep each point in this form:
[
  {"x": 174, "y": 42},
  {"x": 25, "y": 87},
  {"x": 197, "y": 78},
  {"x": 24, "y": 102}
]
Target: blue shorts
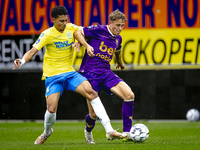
[
  {"x": 69, "y": 81},
  {"x": 102, "y": 82}
]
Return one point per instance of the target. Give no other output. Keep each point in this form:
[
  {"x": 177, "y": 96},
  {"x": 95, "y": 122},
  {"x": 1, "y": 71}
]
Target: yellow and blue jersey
[{"x": 58, "y": 55}]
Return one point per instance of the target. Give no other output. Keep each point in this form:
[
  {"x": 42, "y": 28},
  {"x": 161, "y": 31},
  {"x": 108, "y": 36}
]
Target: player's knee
[
  {"x": 91, "y": 94},
  {"x": 93, "y": 115},
  {"x": 51, "y": 109},
  {"x": 130, "y": 96}
]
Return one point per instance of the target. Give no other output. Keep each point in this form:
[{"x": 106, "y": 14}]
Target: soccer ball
[
  {"x": 139, "y": 132},
  {"x": 192, "y": 115}
]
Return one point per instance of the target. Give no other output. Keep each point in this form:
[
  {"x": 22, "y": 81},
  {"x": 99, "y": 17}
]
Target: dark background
[{"x": 160, "y": 94}]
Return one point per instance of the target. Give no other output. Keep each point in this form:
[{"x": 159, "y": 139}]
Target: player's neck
[
  {"x": 109, "y": 29},
  {"x": 61, "y": 31}
]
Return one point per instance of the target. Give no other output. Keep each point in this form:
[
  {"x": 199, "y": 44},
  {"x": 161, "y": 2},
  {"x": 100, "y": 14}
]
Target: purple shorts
[{"x": 102, "y": 82}]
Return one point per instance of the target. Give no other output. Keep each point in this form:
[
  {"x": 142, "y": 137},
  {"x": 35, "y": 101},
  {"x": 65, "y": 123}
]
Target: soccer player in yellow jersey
[{"x": 59, "y": 74}]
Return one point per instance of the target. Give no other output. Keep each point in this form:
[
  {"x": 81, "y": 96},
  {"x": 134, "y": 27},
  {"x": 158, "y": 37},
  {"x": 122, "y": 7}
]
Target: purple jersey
[{"x": 105, "y": 45}]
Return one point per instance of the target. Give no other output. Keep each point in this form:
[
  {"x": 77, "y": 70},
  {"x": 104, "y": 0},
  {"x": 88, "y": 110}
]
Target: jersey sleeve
[
  {"x": 76, "y": 27},
  {"x": 119, "y": 45},
  {"x": 91, "y": 31},
  {"x": 41, "y": 41}
]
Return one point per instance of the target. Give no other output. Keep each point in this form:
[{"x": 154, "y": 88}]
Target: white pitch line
[{"x": 112, "y": 121}]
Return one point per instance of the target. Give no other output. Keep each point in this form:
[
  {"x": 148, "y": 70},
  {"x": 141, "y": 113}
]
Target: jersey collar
[{"x": 110, "y": 31}]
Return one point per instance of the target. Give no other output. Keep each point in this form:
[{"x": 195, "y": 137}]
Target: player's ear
[
  {"x": 109, "y": 22},
  {"x": 54, "y": 19}
]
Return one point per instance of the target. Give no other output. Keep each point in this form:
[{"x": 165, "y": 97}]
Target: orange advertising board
[{"x": 26, "y": 17}]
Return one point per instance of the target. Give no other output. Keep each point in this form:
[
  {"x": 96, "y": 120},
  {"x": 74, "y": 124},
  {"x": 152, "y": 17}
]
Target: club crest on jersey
[
  {"x": 69, "y": 35},
  {"x": 117, "y": 42}
]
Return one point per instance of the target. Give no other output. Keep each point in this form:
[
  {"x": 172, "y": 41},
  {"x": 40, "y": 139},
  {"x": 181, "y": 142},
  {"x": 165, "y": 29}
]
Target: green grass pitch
[{"x": 69, "y": 135}]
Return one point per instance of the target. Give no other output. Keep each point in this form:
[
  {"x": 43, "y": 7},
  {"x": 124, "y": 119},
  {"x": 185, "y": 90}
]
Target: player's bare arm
[
  {"x": 81, "y": 39},
  {"x": 27, "y": 56},
  {"x": 119, "y": 60}
]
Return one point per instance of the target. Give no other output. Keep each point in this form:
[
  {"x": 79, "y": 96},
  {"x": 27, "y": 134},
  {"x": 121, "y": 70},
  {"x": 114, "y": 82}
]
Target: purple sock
[
  {"x": 127, "y": 115},
  {"x": 90, "y": 123}
]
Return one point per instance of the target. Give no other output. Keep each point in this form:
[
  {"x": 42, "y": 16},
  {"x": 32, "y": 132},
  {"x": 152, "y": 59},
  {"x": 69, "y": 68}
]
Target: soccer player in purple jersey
[{"x": 106, "y": 41}]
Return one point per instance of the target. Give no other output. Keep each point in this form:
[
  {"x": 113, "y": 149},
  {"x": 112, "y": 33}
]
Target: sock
[
  {"x": 90, "y": 123},
  {"x": 127, "y": 115},
  {"x": 49, "y": 120},
  {"x": 101, "y": 114}
]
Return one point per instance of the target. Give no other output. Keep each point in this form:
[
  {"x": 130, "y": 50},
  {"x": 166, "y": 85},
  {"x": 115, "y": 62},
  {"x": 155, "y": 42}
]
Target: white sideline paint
[{"x": 114, "y": 121}]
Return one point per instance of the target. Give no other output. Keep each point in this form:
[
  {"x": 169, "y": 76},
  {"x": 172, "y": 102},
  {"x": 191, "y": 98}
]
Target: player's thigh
[
  {"x": 73, "y": 80},
  {"x": 53, "y": 90},
  {"x": 52, "y": 102},
  {"x": 123, "y": 90},
  {"x": 86, "y": 90},
  {"x": 78, "y": 83}
]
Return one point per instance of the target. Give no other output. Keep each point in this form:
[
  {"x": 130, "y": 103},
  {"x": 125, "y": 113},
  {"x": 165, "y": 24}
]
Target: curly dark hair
[
  {"x": 57, "y": 11},
  {"x": 116, "y": 15}
]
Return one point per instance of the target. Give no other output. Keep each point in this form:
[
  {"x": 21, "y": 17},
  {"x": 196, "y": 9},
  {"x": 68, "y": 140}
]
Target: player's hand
[
  {"x": 18, "y": 63},
  {"x": 120, "y": 66},
  {"x": 90, "y": 51},
  {"x": 76, "y": 46}
]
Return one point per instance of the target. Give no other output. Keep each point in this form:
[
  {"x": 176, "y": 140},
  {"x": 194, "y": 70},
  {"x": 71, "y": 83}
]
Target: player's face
[
  {"x": 116, "y": 26},
  {"x": 60, "y": 22}
]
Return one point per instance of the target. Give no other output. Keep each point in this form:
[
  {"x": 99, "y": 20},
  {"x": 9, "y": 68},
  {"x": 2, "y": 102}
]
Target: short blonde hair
[{"x": 117, "y": 15}]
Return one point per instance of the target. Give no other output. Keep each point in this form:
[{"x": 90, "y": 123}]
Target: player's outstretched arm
[
  {"x": 80, "y": 38},
  {"x": 27, "y": 56}
]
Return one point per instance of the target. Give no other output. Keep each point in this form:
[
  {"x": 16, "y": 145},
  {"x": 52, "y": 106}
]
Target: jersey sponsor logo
[
  {"x": 105, "y": 48},
  {"x": 105, "y": 57},
  {"x": 62, "y": 44},
  {"x": 109, "y": 51}
]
